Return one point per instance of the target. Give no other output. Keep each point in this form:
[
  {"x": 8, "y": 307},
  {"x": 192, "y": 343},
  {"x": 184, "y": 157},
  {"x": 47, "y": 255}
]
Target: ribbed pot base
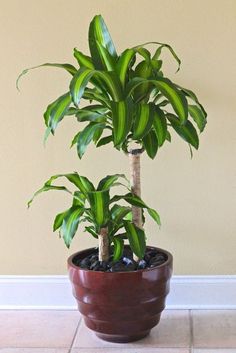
[{"x": 122, "y": 339}]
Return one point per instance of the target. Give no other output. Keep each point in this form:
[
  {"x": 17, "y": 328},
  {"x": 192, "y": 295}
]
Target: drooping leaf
[
  {"x": 81, "y": 182},
  {"x": 198, "y": 116},
  {"x": 99, "y": 203},
  {"x": 90, "y": 115},
  {"x": 70, "y": 224},
  {"x": 47, "y": 188},
  {"x": 118, "y": 248},
  {"x": 68, "y": 67},
  {"x": 160, "y": 125},
  {"x": 122, "y": 120},
  {"x": 59, "y": 219},
  {"x": 186, "y": 131},
  {"x": 85, "y": 137},
  {"x": 136, "y": 238},
  {"x": 150, "y": 143},
  {"x": 188, "y": 93},
  {"x": 56, "y": 111},
  {"x": 153, "y": 213},
  {"x": 98, "y": 33},
  {"x": 144, "y": 115},
  {"x": 109, "y": 181},
  {"x": 104, "y": 141},
  {"x": 168, "y": 89}
]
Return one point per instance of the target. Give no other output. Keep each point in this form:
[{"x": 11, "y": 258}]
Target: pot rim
[{"x": 166, "y": 263}]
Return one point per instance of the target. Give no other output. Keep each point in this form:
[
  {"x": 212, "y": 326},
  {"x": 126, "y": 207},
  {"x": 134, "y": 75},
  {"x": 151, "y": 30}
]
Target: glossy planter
[{"x": 120, "y": 306}]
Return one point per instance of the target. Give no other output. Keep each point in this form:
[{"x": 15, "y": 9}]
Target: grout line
[
  {"x": 76, "y": 331},
  {"x": 191, "y": 331}
]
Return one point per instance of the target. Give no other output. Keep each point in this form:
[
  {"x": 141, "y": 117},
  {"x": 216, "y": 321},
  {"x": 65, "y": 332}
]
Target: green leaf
[
  {"x": 144, "y": 115},
  {"x": 82, "y": 78},
  {"x": 118, "y": 248},
  {"x": 160, "y": 125},
  {"x": 136, "y": 238},
  {"x": 90, "y": 115},
  {"x": 85, "y": 137},
  {"x": 91, "y": 230},
  {"x": 104, "y": 141},
  {"x": 79, "y": 197},
  {"x": 69, "y": 68},
  {"x": 150, "y": 143},
  {"x": 70, "y": 224},
  {"x": 193, "y": 97},
  {"x": 168, "y": 89},
  {"x": 99, "y": 203},
  {"x": 109, "y": 181},
  {"x": 81, "y": 182},
  {"x": 187, "y": 131},
  {"x": 106, "y": 58},
  {"x": 98, "y": 33},
  {"x": 122, "y": 120},
  {"x": 56, "y": 111},
  {"x": 83, "y": 60},
  {"x": 59, "y": 219},
  {"x": 46, "y": 188},
  {"x": 153, "y": 213},
  {"x": 124, "y": 63},
  {"x": 118, "y": 213},
  {"x": 198, "y": 116}
]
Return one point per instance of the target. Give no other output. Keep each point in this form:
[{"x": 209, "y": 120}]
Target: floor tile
[
  {"x": 172, "y": 331},
  {"x": 131, "y": 350},
  {"x": 34, "y": 350},
  {"x": 214, "y": 329},
  {"x": 37, "y": 329},
  {"x": 217, "y": 350}
]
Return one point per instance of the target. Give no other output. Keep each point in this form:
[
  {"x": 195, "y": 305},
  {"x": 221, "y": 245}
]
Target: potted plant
[{"x": 129, "y": 102}]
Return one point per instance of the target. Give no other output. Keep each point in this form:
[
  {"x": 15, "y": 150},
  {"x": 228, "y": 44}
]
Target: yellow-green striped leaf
[
  {"x": 56, "y": 111},
  {"x": 99, "y": 203},
  {"x": 70, "y": 224},
  {"x": 186, "y": 131},
  {"x": 83, "y": 60},
  {"x": 98, "y": 32},
  {"x": 176, "y": 98},
  {"x": 123, "y": 64},
  {"x": 82, "y": 78},
  {"x": 118, "y": 248},
  {"x": 85, "y": 137},
  {"x": 47, "y": 188},
  {"x": 106, "y": 58},
  {"x": 198, "y": 116},
  {"x": 144, "y": 114},
  {"x": 136, "y": 237},
  {"x": 150, "y": 143},
  {"x": 109, "y": 181},
  {"x": 122, "y": 121},
  {"x": 81, "y": 182},
  {"x": 160, "y": 125}
]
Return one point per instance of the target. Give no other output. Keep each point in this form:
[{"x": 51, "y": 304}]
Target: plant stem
[
  {"x": 103, "y": 245},
  {"x": 134, "y": 159}
]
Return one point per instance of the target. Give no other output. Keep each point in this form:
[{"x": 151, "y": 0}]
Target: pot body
[{"x": 121, "y": 306}]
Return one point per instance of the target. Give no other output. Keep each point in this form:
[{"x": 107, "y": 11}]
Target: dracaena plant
[
  {"x": 125, "y": 99},
  {"x": 106, "y": 220}
]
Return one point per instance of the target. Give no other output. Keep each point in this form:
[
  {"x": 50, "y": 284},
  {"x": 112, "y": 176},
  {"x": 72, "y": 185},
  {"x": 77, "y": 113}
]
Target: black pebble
[
  {"x": 142, "y": 264},
  {"x": 85, "y": 263}
]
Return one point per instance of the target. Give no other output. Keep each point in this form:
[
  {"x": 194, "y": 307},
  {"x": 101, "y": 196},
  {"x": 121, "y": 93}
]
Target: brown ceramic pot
[{"x": 120, "y": 306}]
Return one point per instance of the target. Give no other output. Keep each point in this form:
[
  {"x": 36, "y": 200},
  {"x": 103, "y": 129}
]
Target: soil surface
[{"x": 151, "y": 259}]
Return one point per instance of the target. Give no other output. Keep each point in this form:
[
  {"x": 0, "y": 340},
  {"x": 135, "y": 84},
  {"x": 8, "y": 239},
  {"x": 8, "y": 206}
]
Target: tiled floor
[{"x": 180, "y": 331}]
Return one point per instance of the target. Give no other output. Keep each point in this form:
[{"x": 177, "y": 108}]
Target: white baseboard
[{"x": 54, "y": 293}]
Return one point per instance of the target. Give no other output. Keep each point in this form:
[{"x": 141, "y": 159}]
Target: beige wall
[{"x": 196, "y": 198}]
